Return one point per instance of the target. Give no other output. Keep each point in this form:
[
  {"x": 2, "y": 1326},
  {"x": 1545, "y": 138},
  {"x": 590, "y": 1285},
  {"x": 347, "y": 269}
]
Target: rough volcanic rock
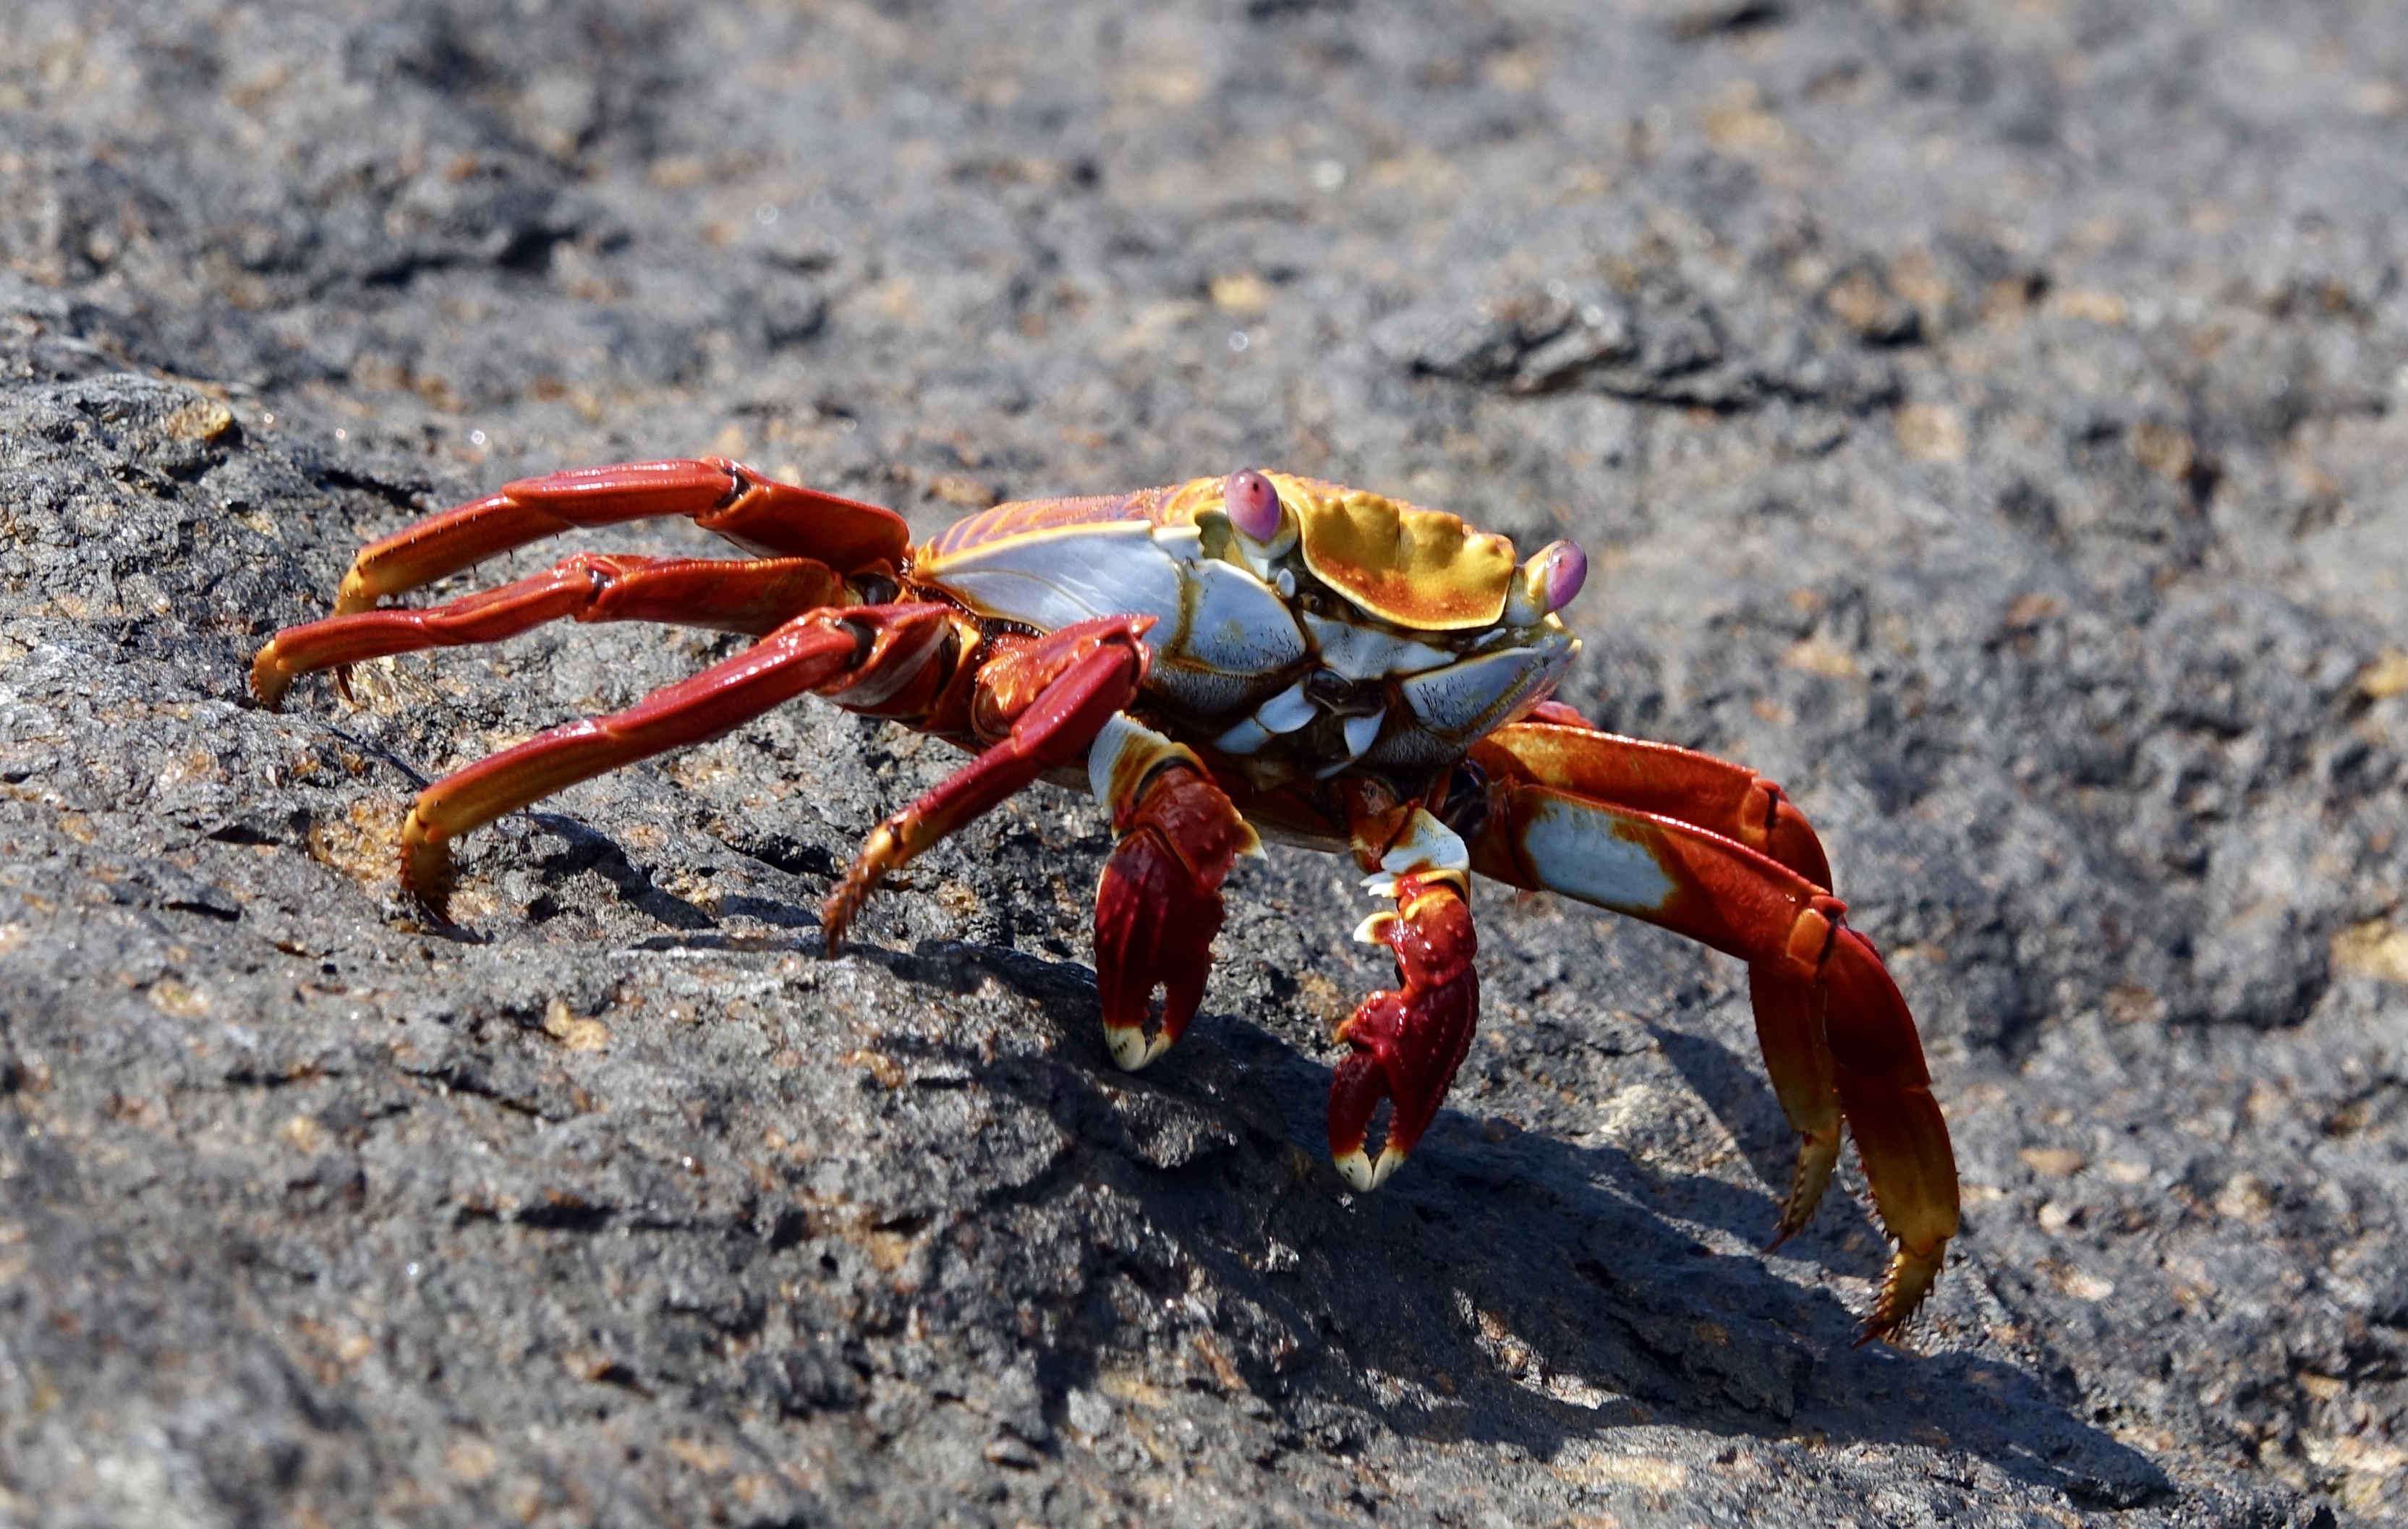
[{"x": 1985, "y": 420}]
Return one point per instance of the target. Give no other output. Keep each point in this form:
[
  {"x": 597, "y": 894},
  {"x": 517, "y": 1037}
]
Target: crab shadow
[
  {"x": 1734, "y": 1090},
  {"x": 1511, "y": 1287}
]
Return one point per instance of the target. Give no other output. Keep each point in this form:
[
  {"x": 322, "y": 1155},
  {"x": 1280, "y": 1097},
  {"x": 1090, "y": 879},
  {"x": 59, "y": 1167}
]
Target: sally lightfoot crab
[{"x": 1257, "y": 650}]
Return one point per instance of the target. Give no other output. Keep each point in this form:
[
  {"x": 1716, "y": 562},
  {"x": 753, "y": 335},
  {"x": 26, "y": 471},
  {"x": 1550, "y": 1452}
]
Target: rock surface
[{"x": 1987, "y": 420}]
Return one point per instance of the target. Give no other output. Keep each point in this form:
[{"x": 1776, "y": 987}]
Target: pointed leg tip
[
  {"x": 1133, "y": 1049},
  {"x": 433, "y": 899},
  {"x": 427, "y": 874},
  {"x": 431, "y": 888},
  {"x": 1905, "y": 1288},
  {"x": 269, "y": 681},
  {"x": 834, "y": 926},
  {"x": 836, "y": 917},
  {"x": 881, "y": 852},
  {"x": 1877, "y": 1329}
]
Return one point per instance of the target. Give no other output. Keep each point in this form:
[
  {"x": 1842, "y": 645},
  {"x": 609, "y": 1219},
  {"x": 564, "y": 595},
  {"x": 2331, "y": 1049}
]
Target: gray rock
[{"x": 1984, "y": 420}]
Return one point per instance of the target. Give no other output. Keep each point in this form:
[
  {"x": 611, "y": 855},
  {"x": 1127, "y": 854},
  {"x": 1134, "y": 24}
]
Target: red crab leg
[
  {"x": 1408, "y": 1041},
  {"x": 1715, "y": 891},
  {"x": 752, "y": 596},
  {"x": 1663, "y": 778},
  {"x": 858, "y": 652},
  {"x": 1043, "y": 701},
  {"x": 1735, "y": 802},
  {"x": 723, "y": 497},
  {"x": 1158, "y": 903}
]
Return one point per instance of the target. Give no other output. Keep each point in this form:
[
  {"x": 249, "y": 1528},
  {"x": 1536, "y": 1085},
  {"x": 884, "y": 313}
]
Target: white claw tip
[
  {"x": 1358, "y": 1169},
  {"x": 1369, "y": 931},
  {"x": 1133, "y": 1049},
  {"x": 1366, "y": 1175}
]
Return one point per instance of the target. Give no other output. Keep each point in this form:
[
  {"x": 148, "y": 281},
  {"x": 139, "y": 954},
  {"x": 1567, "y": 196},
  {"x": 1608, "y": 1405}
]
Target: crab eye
[
  {"x": 1253, "y": 505},
  {"x": 1566, "y": 570},
  {"x": 1548, "y": 582}
]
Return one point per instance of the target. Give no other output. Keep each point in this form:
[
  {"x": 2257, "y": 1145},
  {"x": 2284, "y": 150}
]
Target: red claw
[
  {"x": 1408, "y": 1043},
  {"x": 1157, "y": 908},
  {"x": 1154, "y": 923}
]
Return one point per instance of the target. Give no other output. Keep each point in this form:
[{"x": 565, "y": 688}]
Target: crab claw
[
  {"x": 1158, "y": 905},
  {"x": 1409, "y": 1042},
  {"x": 1154, "y": 923}
]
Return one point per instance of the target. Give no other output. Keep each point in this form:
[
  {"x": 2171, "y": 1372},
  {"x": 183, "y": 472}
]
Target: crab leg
[
  {"x": 1043, "y": 703},
  {"x": 861, "y": 652},
  {"x": 1563, "y": 749},
  {"x": 1791, "y": 1031},
  {"x": 723, "y": 497},
  {"x": 752, "y": 596},
  {"x": 1158, "y": 902},
  {"x": 1720, "y": 892},
  {"x": 1665, "y": 780}
]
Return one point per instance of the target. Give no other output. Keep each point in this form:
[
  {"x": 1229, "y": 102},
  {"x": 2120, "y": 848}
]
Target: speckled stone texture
[{"x": 1986, "y": 419}]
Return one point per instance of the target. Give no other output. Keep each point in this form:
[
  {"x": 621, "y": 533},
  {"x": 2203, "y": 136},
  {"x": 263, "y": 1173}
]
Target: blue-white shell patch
[{"x": 1208, "y": 614}]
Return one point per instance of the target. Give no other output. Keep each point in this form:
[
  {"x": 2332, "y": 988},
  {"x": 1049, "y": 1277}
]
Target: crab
[{"x": 1251, "y": 652}]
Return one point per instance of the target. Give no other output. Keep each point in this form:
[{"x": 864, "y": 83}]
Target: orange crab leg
[
  {"x": 1901, "y": 1138},
  {"x": 1790, "y": 1031},
  {"x": 1158, "y": 902},
  {"x": 1720, "y": 892},
  {"x": 754, "y": 597},
  {"x": 860, "y": 652},
  {"x": 1054, "y": 694},
  {"x": 1563, "y": 749},
  {"x": 1670, "y": 782},
  {"x": 723, "y": 497}
]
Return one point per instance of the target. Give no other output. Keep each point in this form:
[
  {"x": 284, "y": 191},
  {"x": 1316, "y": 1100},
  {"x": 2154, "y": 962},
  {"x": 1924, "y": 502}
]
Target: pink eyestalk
[
  {"x": 1546, "y": 583},
  {"x": 1253, "y": 506}
]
